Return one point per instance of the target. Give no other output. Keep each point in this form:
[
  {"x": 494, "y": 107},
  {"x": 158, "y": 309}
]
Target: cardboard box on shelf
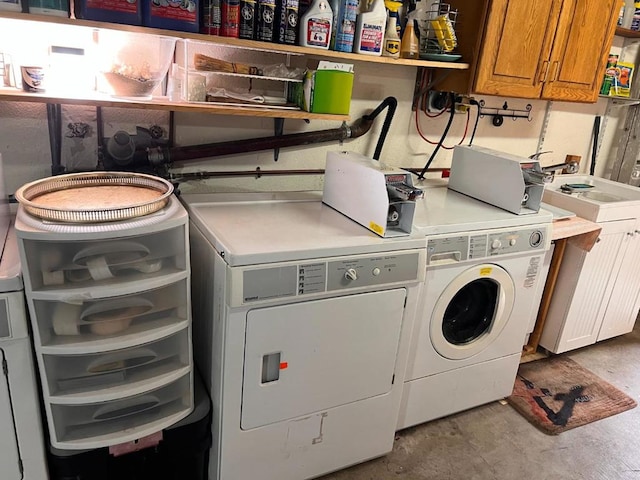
[
  {"x": 609, "y": 74},
  {"x": 622, "y": 82}
]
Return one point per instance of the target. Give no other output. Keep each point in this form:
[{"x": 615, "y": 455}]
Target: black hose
[
  {"x": 594, "y": 150},
  {"x": 475, "y": 125},
  {"x": 452, "y": 106},
  {"x": 391, "y": 103}
]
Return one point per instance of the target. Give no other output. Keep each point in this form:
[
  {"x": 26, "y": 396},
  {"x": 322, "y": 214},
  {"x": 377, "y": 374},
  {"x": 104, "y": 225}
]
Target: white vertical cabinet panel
[
  {"x": 9, "y": 456},
  {"x": 623, "y": 305},
  {"x": 582, "y": 290}
]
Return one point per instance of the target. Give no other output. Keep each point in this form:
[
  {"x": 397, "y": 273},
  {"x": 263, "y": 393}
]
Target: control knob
[
  {"x": 496, "y": 244},
  {"x": 351, "y": 274}
]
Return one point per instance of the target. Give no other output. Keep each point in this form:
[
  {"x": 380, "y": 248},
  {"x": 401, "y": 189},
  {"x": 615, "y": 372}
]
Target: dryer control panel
[
  {"x": 484, "y": 244},
  {"x": 322, "y": 276}
]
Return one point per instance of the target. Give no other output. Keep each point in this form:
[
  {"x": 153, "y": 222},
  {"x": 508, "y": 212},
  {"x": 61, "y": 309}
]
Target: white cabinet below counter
[{"x": 596, "y": 294}]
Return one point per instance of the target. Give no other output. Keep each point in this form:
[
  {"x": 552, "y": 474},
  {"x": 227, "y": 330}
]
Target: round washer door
[{"x": 472, "y": 311}]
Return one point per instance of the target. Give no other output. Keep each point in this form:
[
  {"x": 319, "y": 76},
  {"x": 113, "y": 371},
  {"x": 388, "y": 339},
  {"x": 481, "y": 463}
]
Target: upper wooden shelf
[
  {"x": 163, "y": 103},
  {"x": 625, "y": 32},
  {"x": 235, "y": 42}
]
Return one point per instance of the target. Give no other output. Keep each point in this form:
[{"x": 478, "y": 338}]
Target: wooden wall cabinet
[{"x": 547, "y": 49}]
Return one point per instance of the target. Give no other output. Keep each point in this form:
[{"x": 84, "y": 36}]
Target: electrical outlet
[{"x": 436, "y": 101}]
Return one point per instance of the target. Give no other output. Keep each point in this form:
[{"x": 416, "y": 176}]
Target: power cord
[
  {"x": 452, "y": 102},
  {"x": 473, "y": 101}
]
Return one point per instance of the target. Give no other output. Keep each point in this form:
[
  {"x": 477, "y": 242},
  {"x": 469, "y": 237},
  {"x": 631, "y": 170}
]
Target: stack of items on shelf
[
  {"x": 392, "y": 28},
  {"x": 225, "y": 75},
  {"x": 630, "y": 15},
  {"x": 376, "y": 27},
  {"x": 617, "y": 78},
  {"x": 182, "y": 15}
]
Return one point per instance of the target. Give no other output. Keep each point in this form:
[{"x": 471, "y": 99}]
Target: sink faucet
[{"x": 570, "y": 166}]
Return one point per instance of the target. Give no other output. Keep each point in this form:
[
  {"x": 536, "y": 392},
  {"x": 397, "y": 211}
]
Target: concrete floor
[{"x": 494, "y": 442}]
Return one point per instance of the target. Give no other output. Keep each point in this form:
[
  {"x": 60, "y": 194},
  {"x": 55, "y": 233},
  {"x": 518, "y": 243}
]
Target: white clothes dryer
[
  {"x": 22, "y": 454},
  {"x": 302, "y": 320},
  {"x": 482, "y": 278}
]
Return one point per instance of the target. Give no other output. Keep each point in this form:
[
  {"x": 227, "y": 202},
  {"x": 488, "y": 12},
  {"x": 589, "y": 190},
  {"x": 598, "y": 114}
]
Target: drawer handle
[
  {"x": 555, "y": 69},
  {"x": 126, "y": 408},
  {"x": 545, "y": 71}
]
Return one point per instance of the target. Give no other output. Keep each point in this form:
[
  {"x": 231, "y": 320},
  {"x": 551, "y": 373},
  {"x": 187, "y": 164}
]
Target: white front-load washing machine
[
  {"x": 483, "y": 275},
  {"x": 302, "y": 321}
]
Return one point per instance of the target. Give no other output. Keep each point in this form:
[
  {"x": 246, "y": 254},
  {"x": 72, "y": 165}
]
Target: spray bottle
[
  {"x": 370, "y": 29},
  {"x": 345, "y": 26},
  {"x": 391, "y": 39},
  {"x": 393, "y": 8},
  {"x": 410, "y": 46}
]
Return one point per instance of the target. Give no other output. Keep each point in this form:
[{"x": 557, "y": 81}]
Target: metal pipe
[
  {"x": 258, "y": 172},
  {"x": 160, "y": 155},
  {"x": 54, "y": 121}
]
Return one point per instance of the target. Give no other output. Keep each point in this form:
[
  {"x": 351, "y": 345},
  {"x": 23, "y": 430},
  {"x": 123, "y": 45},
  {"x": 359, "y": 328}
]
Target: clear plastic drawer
[
  {"x": 83, "y": 264},
  {"x": 112, "y": 322},
  {"x": 108, "y": 423},
  {"x": 117, "y": 373}
]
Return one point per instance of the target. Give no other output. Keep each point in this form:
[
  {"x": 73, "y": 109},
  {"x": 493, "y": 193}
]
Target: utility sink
[{"x": 606, "y": 201}]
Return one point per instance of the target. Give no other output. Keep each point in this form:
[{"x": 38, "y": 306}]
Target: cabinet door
[
  {"x": 9, "y": 457},
  {"x": 622, "y": 309},
  {"x": 580, "y": 49},
  {"x": 590, "y": 296},
  {"x": 516, "y": 46}
]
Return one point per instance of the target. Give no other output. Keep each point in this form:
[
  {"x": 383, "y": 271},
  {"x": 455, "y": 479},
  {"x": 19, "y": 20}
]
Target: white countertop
[{"x": 444, "y": 211}]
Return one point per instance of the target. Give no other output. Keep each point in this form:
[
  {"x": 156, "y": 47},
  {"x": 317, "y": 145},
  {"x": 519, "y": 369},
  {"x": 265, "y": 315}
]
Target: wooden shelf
[
  {"x": 622, "y": 101},
  {"x": 163, "y": 103},
  {"x": 625, "y": 32},
  {"x": 12, "y": 94},
  {"x": 239, "y": 43}
]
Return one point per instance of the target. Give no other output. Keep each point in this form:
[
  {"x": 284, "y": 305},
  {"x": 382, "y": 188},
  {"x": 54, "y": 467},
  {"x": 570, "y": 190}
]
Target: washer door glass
[{"x": 470, "y": 312}]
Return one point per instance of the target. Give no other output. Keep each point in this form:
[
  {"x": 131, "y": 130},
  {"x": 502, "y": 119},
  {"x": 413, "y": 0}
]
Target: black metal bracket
[
  {"x": 278, "y": 128},
  {"x": 499, "y": 114}
]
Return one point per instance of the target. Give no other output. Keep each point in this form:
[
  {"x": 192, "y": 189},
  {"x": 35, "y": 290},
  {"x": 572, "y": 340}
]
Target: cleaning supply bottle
[
  {"x": 391, "y": 39},
  {"x": 410, "y": 45},
  {"x": 635, "y": 22},
  {"x": 394, "y": 7},
  {"x": 370, "y": 27},
  {"x": 345, "y": 26},
  {"x": 315, "y": 27}
]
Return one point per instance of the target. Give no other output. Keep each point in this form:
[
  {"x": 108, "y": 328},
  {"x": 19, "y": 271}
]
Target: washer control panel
[{"x": 486, "y": 244}]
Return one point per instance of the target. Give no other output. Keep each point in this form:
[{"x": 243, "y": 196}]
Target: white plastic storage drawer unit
[{"x": 111, "y": 315}]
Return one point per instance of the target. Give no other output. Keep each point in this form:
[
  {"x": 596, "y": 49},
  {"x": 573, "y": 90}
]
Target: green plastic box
[{"x": 331, "y": 92}]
